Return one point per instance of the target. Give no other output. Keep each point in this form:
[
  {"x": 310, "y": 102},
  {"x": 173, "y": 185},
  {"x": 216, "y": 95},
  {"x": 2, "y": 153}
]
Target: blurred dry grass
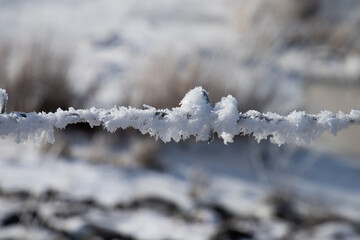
[
  {"x": 36, "y": 81},
  {"x": 40, "y": 79},
  {"x": 296, "y": 23},
  {"x": 166, "y": 79}
]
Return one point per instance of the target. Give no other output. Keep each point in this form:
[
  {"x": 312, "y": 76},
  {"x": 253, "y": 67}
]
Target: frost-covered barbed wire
[{"x": 194, "y": 117}]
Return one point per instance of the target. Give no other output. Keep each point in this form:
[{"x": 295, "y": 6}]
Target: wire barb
[{"x": 3, "y": 100}]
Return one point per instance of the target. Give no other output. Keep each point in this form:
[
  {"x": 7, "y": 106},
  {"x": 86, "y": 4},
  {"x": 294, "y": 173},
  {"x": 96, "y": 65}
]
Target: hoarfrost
[{"x": 194, "y": 117}]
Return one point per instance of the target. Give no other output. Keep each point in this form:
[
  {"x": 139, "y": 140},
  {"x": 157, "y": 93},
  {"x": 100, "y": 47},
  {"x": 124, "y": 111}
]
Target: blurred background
[{"x": 271, "y": 55}]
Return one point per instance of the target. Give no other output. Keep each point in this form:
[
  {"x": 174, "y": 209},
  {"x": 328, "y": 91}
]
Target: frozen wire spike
[{"x": 3, "y": 100}]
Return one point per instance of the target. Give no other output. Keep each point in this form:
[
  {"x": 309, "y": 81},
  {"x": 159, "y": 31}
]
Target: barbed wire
[{"x": 195, "y": 117}]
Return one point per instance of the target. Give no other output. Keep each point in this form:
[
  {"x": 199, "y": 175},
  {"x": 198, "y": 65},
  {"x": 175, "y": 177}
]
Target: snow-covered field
[
  {"x": 201, "y": 191},
  {"x": 95, "y": 185}
]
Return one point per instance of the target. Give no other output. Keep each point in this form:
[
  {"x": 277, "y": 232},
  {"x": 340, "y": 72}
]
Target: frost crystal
[{"x": 194, "y": 117}]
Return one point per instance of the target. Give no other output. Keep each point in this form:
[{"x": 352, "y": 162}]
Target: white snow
[
  {"x": 24, "y": 232},
  {"x": 36, "y": 173},
  {"x": 153, "y": 225},
  {"x": 227, "y": 117},
  {"x": 330, "y": 231}
]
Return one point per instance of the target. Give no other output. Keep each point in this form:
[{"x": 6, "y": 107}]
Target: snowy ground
[{"x": 200, "y": 191}]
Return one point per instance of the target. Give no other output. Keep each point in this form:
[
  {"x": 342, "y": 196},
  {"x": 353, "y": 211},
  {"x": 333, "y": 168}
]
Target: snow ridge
[{"x": 194, "y": 117}]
